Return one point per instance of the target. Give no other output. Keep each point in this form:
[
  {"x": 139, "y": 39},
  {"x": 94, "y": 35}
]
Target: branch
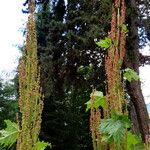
[{"x": 144, "y": 59}]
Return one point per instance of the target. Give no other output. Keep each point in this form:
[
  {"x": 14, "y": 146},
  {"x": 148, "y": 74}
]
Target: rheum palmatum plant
[
  {"x": 30, "y": 100},
  {"x": 111, "y": 132}
]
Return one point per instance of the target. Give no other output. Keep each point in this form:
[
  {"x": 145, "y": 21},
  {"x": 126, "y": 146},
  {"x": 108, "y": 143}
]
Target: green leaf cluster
[
  {"x": 133, "y": 142},
  {"x": 106, "y": 43},
  {"x": 86, "y": 71},
  {"x": 114, "y": 128},
  {"x": 99, "y": 100},
  {"x": 41, "y": 145},
  {"x": 124, "y": 28},
  {"x": 130, "y": 75},
  {"x": 9, "y": 136}
]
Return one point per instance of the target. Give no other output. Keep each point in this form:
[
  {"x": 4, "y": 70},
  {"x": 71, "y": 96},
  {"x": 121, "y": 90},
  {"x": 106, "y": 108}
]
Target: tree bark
[
  {"x": 133, "y": 116},
  {"x": 132, "y": 61}
]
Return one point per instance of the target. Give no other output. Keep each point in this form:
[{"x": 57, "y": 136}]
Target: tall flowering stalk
[
  {"x": 95, "y": 118},
  {"x": 114, "y": 91},
  {"x": 30, "y": 100},
  {"x": 114, "y": 58},
  {"x": 115, "y": 96}
]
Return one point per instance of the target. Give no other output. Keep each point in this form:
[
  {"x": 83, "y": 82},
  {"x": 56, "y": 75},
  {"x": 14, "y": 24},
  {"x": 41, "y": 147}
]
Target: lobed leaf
[
  {"x": 130, "y": 75},
  {"x": 114, "y": 129},
  {"x": 9, "y": 136},
  {"x": 99, "y": 100}
]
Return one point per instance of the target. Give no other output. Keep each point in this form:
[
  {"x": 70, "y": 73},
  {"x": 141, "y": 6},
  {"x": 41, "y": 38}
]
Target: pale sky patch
[
  {"x": 145, "y": 75},
  {"x": 145, "y": 79},
  {"x": 11, "y": 21}
]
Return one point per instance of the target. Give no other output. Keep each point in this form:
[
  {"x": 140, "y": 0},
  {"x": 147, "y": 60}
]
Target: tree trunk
[
  {"x": 132, "y": 61},
  {"x": 133, "y": 116}
]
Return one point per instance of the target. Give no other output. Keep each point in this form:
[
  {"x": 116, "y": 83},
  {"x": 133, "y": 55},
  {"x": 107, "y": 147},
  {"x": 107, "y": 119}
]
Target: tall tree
[
  {"x": 66, "y": 43},
  {"x": 133, "y": 61}
]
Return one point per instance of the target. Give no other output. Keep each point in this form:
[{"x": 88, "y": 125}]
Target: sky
[
  {"x": 145, "y": 76},
  {"x": 12, "y": 23},
  {"x": 145, "y": 82}
]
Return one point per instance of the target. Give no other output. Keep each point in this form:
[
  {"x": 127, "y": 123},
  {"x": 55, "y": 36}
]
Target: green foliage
[
  {"x": 8, "y": 102},
  {"x": 130, "y": 75},
  {"x": 86, "y": 71},
  {"x": 41, "y": 145},
  {"x": 114, "y": 129},
  {"x": 64, "y": 46},
  {"x": 99, "y": 100},
  {"x": 133, "y": 141},
  {"x": 124, "y": 28},
  {"x": 9, "y": 136},
  {"x": 106, "y": 43}
]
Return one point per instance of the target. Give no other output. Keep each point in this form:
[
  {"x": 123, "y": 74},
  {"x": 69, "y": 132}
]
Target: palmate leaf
[
  {"x": 130, "y": 75},
  {"x": 99, "y": 100},
  {"x": 113, "y": 129},
  {"x": 9, "y": 136},
  {"x": 41, "y": 145}
]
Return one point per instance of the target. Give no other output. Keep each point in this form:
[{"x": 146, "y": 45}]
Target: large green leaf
[
  {"x": 130, "y": 75},
  {"x": 106, "y": 43},
  {"x": 9, "y": 136},
  {"x": 41, "y": 145},
  {"x": 114, "y": 129},
  {"x": 99, "y": 100}
]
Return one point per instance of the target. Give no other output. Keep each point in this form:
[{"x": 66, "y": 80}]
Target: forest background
[{"x": 72, "y": 65}]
